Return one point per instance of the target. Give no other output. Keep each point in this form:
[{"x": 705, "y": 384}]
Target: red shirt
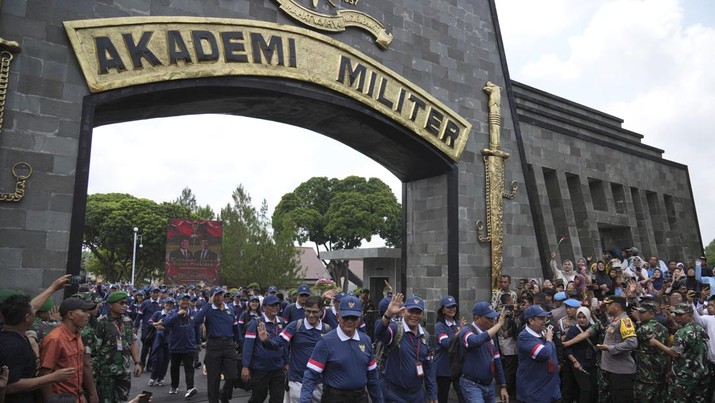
[{"x": 63, "y": 349}]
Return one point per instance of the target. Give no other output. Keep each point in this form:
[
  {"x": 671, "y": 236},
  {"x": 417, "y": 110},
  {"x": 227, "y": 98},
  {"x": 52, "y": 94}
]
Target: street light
[{"x": 134, "y": 252}]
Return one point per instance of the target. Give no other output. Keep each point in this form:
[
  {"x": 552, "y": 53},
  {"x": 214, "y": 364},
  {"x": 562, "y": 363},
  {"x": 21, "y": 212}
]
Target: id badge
[
  {"x": 119, "y": 344},
  {"x": 420, "y": 370}
]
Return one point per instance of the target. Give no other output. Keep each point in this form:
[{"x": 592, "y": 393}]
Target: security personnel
[
  {"x": 408, "y": 369},
  {"x": 651, "y": 363},
  {"x": 220, "y": 355},
  {"x": 299, "y": 338},
  {"x": 690, "y": 372},
  {"x": 343, "y": 362},
  {"x": 263, "y": 367},
  {"x": 115, "y": 345},
  {"x": 537, "y": 377},
  {"x": 295, "y": 310},
  {"x": 482, "y": 362},
  {"x": 618, "y": 367}
]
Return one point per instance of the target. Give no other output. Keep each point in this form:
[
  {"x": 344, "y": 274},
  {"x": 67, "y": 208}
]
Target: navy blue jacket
[
  {"x": 444, "y": 334},
  {"x": 256, "y": 355},
  {"x": 184, "y": 332},
  {"x": 300, "y": 343},
  {"x": 219, "y": 322},
  {"x": 344, "y": 363},
  {"x": 482, "y": 361}
]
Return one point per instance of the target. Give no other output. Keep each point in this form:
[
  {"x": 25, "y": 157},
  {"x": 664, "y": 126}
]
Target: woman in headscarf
[
  {"x": 604, "y": 283},
  {"x": 582, "y": 355}
]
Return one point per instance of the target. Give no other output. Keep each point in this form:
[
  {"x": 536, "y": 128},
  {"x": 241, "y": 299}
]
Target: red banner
[{"x": 193, "y": 251}]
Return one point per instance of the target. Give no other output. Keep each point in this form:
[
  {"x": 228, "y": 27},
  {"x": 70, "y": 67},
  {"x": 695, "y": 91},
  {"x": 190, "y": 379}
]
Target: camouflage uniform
[
  {"x": 651, "y": 363},
  {"x": 690, "y": 371},
  {"x": 40, "y": 328},
  {"x": 114, "y": 356}
]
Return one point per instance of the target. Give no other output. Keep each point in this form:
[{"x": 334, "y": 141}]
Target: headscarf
[
  {"x": 658, "y": 282},
  {"x": 586, "y": 312}
]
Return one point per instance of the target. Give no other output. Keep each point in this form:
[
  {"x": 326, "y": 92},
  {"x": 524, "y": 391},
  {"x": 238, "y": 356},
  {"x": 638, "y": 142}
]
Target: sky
[{"x": 647, "y": 62}]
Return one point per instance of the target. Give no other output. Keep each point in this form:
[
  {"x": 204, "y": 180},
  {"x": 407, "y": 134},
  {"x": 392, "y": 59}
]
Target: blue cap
[
  {"x": 338, "y": 296},
  {"x": 182, "y": 286},
  {"x": 192, "y": 287},
  {"x": 572, "y": 303},
  {"x": 216, "y": 290},
  {"x": 169, "y": 301},
  {"x": 182, "y": 296},
  {"x": 194, "y": 298},
  {"x": 448, "y": 301},
  {"x": 414, "y": 302},
  {"x": 303, "y": 290},
  {"x": 482, "y": 308},
  {"x": 272, "y": 288},
  {"x": 535, "y": 310},
  {"x": 253, "y": 298},
  {"x": 154, "y": 288},
  {"x": 560, "y": 296},
  {"x": 384, "y": 303},
  {"x": 270, "y": 300},
  {"x": 350, "y": 306}
]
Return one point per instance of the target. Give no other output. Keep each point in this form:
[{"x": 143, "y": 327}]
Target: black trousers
[
  {"x": 265, "y": 382},
  {"x": 331, "y": 395},
  {"x": 188, "y": 360},
  {"x": 621, "y": 386},
  {"x": 146, "y": 347},
  {"x": 510, "y": 363},
  {"x": 443, "y": 385},
  {"x": 587, "y": 385},
  {"x": 220, "y": 359}
]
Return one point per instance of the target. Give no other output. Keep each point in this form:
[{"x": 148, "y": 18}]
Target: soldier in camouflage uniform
[
  {"x": 689, "y": 370},
  {"x": 115, "y": 346},
  {"x": 89, "y": 332},
  {"x": 651, "y": 363}
]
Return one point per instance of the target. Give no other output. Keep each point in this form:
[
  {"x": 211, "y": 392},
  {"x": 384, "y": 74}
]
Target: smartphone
[{"x": 146, "y": 397}]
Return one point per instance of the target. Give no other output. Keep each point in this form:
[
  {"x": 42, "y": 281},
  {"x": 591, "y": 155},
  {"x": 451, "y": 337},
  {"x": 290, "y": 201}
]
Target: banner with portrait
[{"x": 193, "y": 251}]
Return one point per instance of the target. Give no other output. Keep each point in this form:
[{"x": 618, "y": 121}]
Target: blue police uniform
[{"x": 220, "y": 350}]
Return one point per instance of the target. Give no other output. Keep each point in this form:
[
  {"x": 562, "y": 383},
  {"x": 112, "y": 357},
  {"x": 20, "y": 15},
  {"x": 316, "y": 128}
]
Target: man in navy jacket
[{"x": 537, "y": 378}]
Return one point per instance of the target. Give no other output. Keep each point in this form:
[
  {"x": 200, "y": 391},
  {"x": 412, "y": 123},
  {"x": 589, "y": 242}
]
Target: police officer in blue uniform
[
  {"x": 220, "y": 347},
  {"x": 409, "y": 375},
  {"x": 343, "y": 361}
]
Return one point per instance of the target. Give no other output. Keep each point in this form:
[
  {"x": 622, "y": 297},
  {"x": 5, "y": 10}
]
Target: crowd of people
[{"x": 614, "y": 329}]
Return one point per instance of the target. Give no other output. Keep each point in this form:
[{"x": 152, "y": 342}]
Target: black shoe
[{"x": 197, "y": 365}]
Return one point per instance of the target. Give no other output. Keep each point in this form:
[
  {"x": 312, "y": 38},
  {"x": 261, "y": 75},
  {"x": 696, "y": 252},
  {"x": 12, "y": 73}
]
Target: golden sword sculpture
[{"x": 494, "y": 177}]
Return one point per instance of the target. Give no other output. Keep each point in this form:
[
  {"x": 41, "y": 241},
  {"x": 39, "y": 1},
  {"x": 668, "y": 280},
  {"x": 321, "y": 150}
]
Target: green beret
[
  {"x": 6, "y": 293},
  {"x": 117, "y": 296},
  {"x": 47, "y": 305}
]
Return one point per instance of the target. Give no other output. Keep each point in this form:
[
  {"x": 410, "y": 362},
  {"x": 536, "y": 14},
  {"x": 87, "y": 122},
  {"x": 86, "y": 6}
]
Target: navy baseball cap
[
  {"x": 272, "y": 288},
  {"x": 448, "y": 301},
  {"x": 303, "y": 290},
  {"x": 192, "y": 287},
  {"x": 182, "y": 296},
  {"x": 155, "y": 288},
  {"x": 482, "y": 308},
  {"x": 253, "y": 298},
  {"x": 414, "y": 302},
  {"x": 535, "y": 310},
  {"x": 350, "y": 306},
  {"x": 270, "y": 300},
  {"x": 216, "y": 290},
  {"x": 338, "y": 296},
  {"x": 169, "y": 301}
]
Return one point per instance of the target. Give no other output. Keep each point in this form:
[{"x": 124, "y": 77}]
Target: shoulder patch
[{"x": 627, "y": 330}]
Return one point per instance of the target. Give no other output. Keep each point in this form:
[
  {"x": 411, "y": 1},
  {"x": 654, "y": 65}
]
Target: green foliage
[
  {"x": 188, "y": 199},
  {"x": 251, "y": 253},
  {"x": 109, "y": 236},
  {"x": 340, "y": 214},
  {"x": 710, "y": 253}
]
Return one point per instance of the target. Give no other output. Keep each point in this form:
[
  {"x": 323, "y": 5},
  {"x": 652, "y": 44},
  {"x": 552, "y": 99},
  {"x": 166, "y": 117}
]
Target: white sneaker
[
  {"x": 190, "y": 393},
  {"x": 151, "y": 382},
  {"x": 160, "y": 382},
  {"x": 173, "y": 391}
]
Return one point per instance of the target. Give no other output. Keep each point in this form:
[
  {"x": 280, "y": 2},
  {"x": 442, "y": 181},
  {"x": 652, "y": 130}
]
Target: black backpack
[
  {"x": 382, "y": 350},
  {"x": 455, "y": 354}
]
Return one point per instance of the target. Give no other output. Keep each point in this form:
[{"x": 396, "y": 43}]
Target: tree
[
  {"x": 340, "y": 214},
  {"x": 710, "y": 253},
  {"x": 109, "y": 236},
  {"x": 188, "y": 200},
  {"x": 251, "y": 253}
]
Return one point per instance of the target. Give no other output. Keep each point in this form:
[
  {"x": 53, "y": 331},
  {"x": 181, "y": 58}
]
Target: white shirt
[{"x": 708, "y": 322}]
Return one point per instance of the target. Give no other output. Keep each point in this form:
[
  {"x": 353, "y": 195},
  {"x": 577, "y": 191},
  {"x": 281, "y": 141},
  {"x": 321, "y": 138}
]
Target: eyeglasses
[
  {"x": 312, "y": 312},
  {"x": 351, "y": 318}
]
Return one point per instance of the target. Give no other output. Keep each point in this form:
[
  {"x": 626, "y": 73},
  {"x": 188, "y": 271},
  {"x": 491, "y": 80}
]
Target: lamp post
[{"x": 134, "y": 254}]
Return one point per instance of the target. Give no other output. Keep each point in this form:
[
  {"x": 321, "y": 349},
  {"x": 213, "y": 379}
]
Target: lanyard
[{"x": 411, "y": 337}]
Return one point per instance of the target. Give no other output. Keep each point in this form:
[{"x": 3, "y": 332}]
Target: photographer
[{"x": 507, "y": 344}]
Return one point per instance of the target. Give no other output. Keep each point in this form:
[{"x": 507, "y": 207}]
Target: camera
[{"x": 78, "y": 279}]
